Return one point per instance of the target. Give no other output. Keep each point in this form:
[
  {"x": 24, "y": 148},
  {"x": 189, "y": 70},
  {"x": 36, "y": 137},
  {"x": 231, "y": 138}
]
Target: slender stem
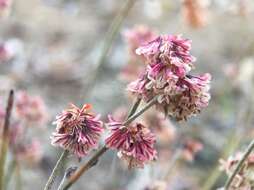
[
  {"x": 134, "y": 107},
  {"x": 113, "y": 30},
  {"x": 5, "y": 137},
  {"x": 92, "y": 161},
  {"x": 110, "y": 37},
  {"x": 239, "y": 165},
  {"x": 9, "y": 173},
  {"x": 136, "y": 115},
  {"x": 56, "y": 170},
  {"x": 68, "y": 173}
]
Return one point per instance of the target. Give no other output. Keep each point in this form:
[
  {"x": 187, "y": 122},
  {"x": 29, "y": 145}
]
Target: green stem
[
  {"x": 56, "y": 170},
  {"x": 110, "y": 37},
  {"x": 113, "y": 30},
  {"x": 239, "y": 165},
  {"x": 92, "y": 161},
  {"x": 134, "y": 107},
  {"x": 9, "y": 173},
  {"x": 5, "y": 137}
]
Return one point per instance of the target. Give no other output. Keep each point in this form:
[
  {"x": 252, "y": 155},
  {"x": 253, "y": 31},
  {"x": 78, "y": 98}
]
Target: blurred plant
[
  {"x": 30, "y": 109},
  {"x": 24, "y": 150},
  {"x": 194, "y": 13},
  {"x": 5, "y": 6}
]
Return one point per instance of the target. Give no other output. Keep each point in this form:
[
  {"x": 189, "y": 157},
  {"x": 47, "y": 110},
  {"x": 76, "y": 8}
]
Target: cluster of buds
[
  {"x": 167, "y": 76},
  {"x": 245, "y": 178}
]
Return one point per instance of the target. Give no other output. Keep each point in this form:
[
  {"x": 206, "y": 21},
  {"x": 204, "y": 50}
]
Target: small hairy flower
[
  {"x": 134, "y": 143},
  {"x": 30, "y": 108},
  {"x": 77, "y": 130},
  {"x": 244, "y": 180}
]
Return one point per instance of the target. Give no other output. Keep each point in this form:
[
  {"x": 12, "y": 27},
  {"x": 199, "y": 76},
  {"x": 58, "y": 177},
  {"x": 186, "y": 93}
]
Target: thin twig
[
  {"x": 68, "y": 173},
  {"x": 110, "y": 37},
  {"x": 101, "y": 151},
  {"x": 56, "y": 170},
  {"x": 5, "y": 137},
  {"x": 239, "y": 165}
]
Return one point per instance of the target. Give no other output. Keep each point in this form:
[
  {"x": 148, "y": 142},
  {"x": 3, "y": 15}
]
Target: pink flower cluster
[
  {"x": 134, "y": 143},
  {"x": 77, "y": 130},
  {"x": 167, "y": 76}
]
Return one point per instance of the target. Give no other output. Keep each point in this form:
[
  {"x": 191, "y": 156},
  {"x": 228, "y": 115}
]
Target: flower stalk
[
  {"x": 5, "y": 138},
  {"x": 56, "y": 170}
]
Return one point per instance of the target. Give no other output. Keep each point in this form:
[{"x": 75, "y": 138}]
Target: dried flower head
[
  {"x": 166, "y": 76},
  {"x": 134, "y": 143},
  {"x": 31, "y": 109},
  {"x": 77, "y": 130},
  {"x": 244, "y": 180},
  {"x": 168, "y": 52},
  {"x": 186, "y": 97}
]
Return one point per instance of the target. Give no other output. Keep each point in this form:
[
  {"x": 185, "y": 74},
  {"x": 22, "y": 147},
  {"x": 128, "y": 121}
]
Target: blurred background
[{"x": 56, "y": 52}]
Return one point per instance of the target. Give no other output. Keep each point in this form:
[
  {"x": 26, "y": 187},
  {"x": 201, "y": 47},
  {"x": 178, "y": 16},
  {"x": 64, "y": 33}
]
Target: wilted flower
[
  {"x": 245, "y": 178},
  {"x": 30, "y": 108},
  {"x": 168, "y": 52},
  {"x": 191, "y": 148},
  {"x": 77, "y": 130},
  {"x": 29, "y": 153},
  {"x": 134, "y": 143},
  {"x": 177, "y": 97},
  {"x": 186, "y": 97}
]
